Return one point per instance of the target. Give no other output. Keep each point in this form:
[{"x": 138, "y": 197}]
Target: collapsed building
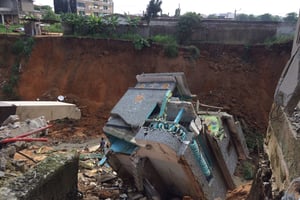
[
  {"x": 169, "y": 147},
  {"x": 282, "y": 142}
]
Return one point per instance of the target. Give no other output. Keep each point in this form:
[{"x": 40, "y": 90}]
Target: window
[
  {"x": 96, "y": 6},
  {"x": 96, "y": 14},
  {"x": 105, "y": 8},
  {"x": 79, "y": 4},
  {"x": 105, "y": 1}
]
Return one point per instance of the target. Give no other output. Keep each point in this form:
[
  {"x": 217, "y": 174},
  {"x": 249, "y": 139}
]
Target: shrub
[
  {"x": 164, "y": 39},
  {"x": 54, "y": 28},
  {"x": 194, "y": 51},
  {"x": 129, "y": 36},
  {"x": 254, "y": 141},
  {"x": 23, "y": 47},
  {"x": 18, "y": 47},
  {"x": 140, "y": 43},
  {"x": 247, "y": 170},
  {"x": 278, "y": 40},
  {"x": 171, "y": 50},
  {"x": 8, "y": 87},
  {"x": 185, "y": 26}
]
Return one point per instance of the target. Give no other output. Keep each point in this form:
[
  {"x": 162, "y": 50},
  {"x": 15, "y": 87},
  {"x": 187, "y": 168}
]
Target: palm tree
[{"x": 153, "y": 8}]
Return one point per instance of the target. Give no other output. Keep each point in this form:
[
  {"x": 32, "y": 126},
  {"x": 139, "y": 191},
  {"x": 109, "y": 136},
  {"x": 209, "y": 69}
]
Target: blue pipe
[
  {"x": 164, "y": 103},
  {"x": 179, "y": 116},
  {"x": 201, "y": 160}
]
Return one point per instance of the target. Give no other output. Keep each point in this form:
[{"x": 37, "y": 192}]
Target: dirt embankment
[{"x": 95, "y": 74}]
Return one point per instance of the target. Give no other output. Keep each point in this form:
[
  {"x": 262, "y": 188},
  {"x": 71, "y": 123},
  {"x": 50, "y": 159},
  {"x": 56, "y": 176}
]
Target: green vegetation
[
  {"x": 21, "y": 48},
  {"x": 185, "y": 26},
  {"x": 10, "y": 29},
  {"x": 171, "y": 50},
  {"x": 48, "y": 14},
  {"x": 254, "y": 141},
  {"x": 164, "y": 39},
  {"x": 290, "y": 17},
  {"x": 194, "y": 52},
  {"x": 248, "y": 170},
  {"x": 140, "y": 43},
  {"x": 278, "y": 40},
  {"x": 8, "y": 88},
  {"x": 89, "y": 25},
  {"x": 53, "y": 28},
  {"x": 153, "y": 8},
  {"x": 170, "y": 44}
]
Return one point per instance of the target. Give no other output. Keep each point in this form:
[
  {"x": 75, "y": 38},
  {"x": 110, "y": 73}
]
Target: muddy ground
[{"x": 94, "y": 74}]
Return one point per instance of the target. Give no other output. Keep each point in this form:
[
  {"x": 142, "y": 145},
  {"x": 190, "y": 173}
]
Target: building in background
[
  {"x": 84, "y": 7},
  {"x": 65, "y": 6},
  {"x": 11, "y": 11}
]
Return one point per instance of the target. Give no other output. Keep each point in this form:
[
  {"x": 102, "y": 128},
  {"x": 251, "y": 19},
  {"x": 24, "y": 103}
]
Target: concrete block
[{"x": 53, "y": 178}]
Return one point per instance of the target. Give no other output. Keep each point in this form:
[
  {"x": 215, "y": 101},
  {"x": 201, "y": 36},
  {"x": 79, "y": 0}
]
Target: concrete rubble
[
  {"x": 101, "y": 181},
  {"x": 295, "y": 120},
  {"x": 39, "y": 171}
]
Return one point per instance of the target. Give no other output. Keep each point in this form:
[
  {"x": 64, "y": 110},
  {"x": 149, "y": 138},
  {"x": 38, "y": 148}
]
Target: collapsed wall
[{"x": 282, "y": 143}]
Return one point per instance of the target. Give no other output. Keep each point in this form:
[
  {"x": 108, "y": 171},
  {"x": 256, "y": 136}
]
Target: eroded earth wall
[{"x": 95, "y": 73}]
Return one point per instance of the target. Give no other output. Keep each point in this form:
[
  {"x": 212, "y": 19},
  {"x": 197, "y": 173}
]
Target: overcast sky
[{"x": 256, "y": 7}]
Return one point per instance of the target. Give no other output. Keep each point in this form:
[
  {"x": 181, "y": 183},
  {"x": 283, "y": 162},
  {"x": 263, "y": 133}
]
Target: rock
[
  {"x": 2, "y": 174},
  {"x": 136, "y": 196},
  {"x": 106, "y": 178},
  {"x": 90, "y": 174},
  {"x": 3, "y": 162},
  {"x": 93, "y": 184},
  {"x": 11, "y": 119},
  {"x": 123, "y": 196},
  {"x": 91, "y": 197},
  {"x": 86, "y": 165}
]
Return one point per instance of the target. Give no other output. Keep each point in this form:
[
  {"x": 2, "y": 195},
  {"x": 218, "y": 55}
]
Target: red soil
[{"x": 95, "y": 73}]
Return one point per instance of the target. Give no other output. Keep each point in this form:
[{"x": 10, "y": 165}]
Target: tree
[
  {"x": 266, "y": 17},
  {"x": 212, "y": 16},
  {"x": 251, "y": 17},
  {"x": 291, "y": 18},
  {"x": 153, "y": 8},
  {"x": 185, "y": 26},
  {"x": 177, "y": 12},
  {"x": 50, "y": 15},
  {"x": 242, "y": 17}
]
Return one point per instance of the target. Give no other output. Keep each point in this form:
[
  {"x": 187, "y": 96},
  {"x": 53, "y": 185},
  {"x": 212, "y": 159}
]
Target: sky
[{"x": 256, "y": 7}]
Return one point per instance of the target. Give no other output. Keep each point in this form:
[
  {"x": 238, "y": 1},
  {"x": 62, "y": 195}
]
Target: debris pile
[
  {"x": 14, "y": 136},
  {"x": 295, "y": 120},
  {"x": 98, "y": 181}
]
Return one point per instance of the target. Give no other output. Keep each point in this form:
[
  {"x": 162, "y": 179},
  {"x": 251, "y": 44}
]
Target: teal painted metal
[
  {"x": 179, "y": 116},
  {"x": 205, "y": 150},
  {"x": 164, "y": 104},
  {"x": 120, "y": 145},
  {"x": 201, "y": 160}
]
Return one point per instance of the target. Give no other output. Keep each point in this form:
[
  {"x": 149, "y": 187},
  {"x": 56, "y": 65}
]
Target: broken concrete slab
[{"x": 51, "y": 110}]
